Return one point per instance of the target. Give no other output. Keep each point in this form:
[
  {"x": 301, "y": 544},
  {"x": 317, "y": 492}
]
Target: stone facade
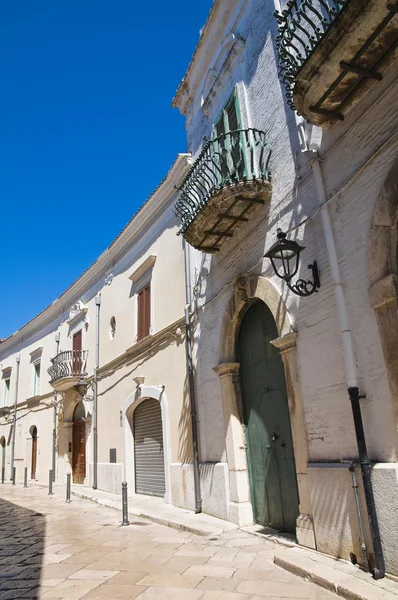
[{"x": 356, "y": 158}]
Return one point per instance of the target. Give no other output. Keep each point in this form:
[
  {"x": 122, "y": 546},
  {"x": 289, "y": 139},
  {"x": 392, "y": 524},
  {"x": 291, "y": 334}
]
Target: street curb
[
  {"x": 173, "y": 523},
  {"x": 336, "y": 576}
]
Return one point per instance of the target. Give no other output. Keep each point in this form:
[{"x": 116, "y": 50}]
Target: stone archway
[
  {"x": 246, "y": 290},
  {"x": 68, "y": 405},
  {"x": 383, "y": 276},
  {"x": 144, "y": 392}
]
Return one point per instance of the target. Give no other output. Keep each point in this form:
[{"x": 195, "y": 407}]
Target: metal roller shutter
[{"x": 148, "y": 449}]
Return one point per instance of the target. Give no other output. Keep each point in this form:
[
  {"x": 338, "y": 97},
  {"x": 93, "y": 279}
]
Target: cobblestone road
[{"x": 53, "y": 550}]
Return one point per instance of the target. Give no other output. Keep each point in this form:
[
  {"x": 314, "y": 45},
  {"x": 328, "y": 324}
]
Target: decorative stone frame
[
  {"x": 65, "y": 435},
  {"x": 383, "y": 277},
  {"x": 144, "y": 392},
  {"x": 248, "y": 289}
]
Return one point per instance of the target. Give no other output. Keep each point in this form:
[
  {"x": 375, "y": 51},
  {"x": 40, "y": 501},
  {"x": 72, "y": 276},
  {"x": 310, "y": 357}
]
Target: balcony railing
[
  {"x": 302, "y": 25},
  {"x": 332, "y": 51},
  {"x": 72, "y": 363},
  {"x": 232, "y": 158}
]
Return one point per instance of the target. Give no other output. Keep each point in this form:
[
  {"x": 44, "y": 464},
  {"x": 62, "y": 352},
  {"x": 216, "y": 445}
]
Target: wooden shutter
[
  {"x": 144, "y": 312},
  {"x": 76, "y": 353}
]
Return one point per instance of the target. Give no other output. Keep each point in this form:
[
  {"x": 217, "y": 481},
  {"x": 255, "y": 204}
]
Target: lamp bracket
[{"x": 304, "y": 287}]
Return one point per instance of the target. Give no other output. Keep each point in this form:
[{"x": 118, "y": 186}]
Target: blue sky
[{"x": 86, "y": 132}]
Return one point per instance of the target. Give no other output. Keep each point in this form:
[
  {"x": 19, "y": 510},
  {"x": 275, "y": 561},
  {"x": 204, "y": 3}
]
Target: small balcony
[
  {"x": 68, "y": 369},
  {"x": 332, "y": 51},
  {"x": 227, "y": 184}
]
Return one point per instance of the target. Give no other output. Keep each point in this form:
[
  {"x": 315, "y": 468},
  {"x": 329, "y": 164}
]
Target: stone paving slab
[
  {"x": 57, "y": 551},
  {"x": 154, "y": 509}
]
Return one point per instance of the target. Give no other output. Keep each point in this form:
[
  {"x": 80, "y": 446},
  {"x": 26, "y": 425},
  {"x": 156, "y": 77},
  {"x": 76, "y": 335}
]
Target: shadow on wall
[
  {"x": 335, "y": 517},
  {"x": 185, "y": 428},
  {"x": 22, "y": 532}
]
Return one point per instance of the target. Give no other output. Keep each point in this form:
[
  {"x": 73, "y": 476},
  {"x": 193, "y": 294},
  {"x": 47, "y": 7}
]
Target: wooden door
[
  {"x": 34, "y": 454},
  {"x": 79, "y": 445},
  {"x": 76, "y": 353},
  {"x": 3, "y": 455},
  {"x": 270, "y": 454}
]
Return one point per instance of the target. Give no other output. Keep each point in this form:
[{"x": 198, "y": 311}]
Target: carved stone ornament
[
  {"x": 76, "y": 312},
  {"x": 241, "y": 289},
  {"x": 109, "y": 279}
]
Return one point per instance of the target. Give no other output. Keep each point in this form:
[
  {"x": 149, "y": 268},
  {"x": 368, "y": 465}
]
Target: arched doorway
[
  {"x": 33, "y": 465},
  {"x": 79, "y": 444},
  {"x": 270, "y": 454},
  {"x": 3, "y": 457},
  {"x": 148, "y": 449}
]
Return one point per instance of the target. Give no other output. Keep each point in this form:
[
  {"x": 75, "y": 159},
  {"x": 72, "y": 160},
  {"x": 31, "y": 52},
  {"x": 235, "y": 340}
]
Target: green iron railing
[
  {"x": 233, "y": 157},
  {"x": 302, "y": 25}
]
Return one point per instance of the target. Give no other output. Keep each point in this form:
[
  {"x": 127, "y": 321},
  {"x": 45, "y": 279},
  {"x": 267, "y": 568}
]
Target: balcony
[
  {"x": 227, "y": 183},
  {"x": 67, "y": 369},
  {"x": 332, "y": 51}
]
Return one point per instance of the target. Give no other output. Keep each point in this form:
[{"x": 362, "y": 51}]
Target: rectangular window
[
  {"x": 144, "y": 312},
  {"x": 6, "y": 397},
  {"x": 230, "y": 141},
  {"x": 36, "y": 379}
]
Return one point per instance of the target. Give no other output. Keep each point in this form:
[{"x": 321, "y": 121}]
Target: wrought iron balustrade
[
  {"x": 302, "y": 25},
  {"x": 232, "y": 158},
  {"x": 72, "y": 363}
]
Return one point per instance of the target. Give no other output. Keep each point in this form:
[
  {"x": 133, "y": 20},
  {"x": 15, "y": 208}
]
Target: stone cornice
[
  {"x": 222, "y": 21},
  {"x": 286, "y": 342},
  {"x": 148, "y": 264},
  {"x": 143, "y": 346},
  {"x": 227, "y": 368}
]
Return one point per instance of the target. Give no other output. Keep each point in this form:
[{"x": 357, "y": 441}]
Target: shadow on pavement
[{"x": 22, "y": 534}]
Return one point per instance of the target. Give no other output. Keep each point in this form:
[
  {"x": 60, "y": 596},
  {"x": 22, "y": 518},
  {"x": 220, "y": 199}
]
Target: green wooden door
[{"x": 270, "y": 454}]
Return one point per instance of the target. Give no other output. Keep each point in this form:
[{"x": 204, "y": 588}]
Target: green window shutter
[
  {"x": 232, "y": 115},
  {"x": 235, "y": 140}
]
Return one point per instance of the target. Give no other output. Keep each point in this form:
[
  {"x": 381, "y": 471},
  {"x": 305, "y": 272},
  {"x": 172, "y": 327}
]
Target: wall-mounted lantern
[
  {"x": 284, "y": 256},
  {"x": 82, "y": 388}
]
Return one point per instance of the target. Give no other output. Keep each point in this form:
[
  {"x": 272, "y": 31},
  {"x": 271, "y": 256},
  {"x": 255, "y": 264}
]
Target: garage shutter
[{"x": 148, "y": 449}]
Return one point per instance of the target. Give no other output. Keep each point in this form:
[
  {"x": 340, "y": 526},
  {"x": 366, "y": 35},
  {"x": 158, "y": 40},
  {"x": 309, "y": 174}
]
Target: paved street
[{"x": 53, "y": 550}]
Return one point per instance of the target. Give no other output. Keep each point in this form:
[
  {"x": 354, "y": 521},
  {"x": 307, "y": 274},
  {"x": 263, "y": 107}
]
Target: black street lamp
[{"x": 284, "y": 256}]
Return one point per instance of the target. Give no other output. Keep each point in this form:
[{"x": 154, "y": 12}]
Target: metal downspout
[
  {"x": 191, "y": 380},
  {"x": 95, "y": 394},
  {"x": 350, "y": 368},
  {"x": 14, "y": 421},
  {"x": 54, "y": 448}
]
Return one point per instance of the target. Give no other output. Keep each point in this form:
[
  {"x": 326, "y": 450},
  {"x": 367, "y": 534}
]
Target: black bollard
[
  {"x": 3, "y": 474},
  {"x": 14, "y": 472},
  {"x": 125, "y": 510},
  {"x": 25, "y": 478},
  {"x": 68, "y": 477},
  {"x": 50, "y": 482}
]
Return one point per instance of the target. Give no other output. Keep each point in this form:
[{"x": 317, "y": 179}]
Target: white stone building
[
  {"x": 278, "y": 375},
  {"x": 134, "y": 297}
]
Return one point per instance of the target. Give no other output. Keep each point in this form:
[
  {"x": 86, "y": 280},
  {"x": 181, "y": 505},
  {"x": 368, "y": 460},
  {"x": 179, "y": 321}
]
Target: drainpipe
[
  {"x": 14, "y": 421},
  {"x": 54, "y": 449},
  {"x": 191, "y": 379},
  {"x": 95, "y": 393},
  {"x": 350, "y": 366}
]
